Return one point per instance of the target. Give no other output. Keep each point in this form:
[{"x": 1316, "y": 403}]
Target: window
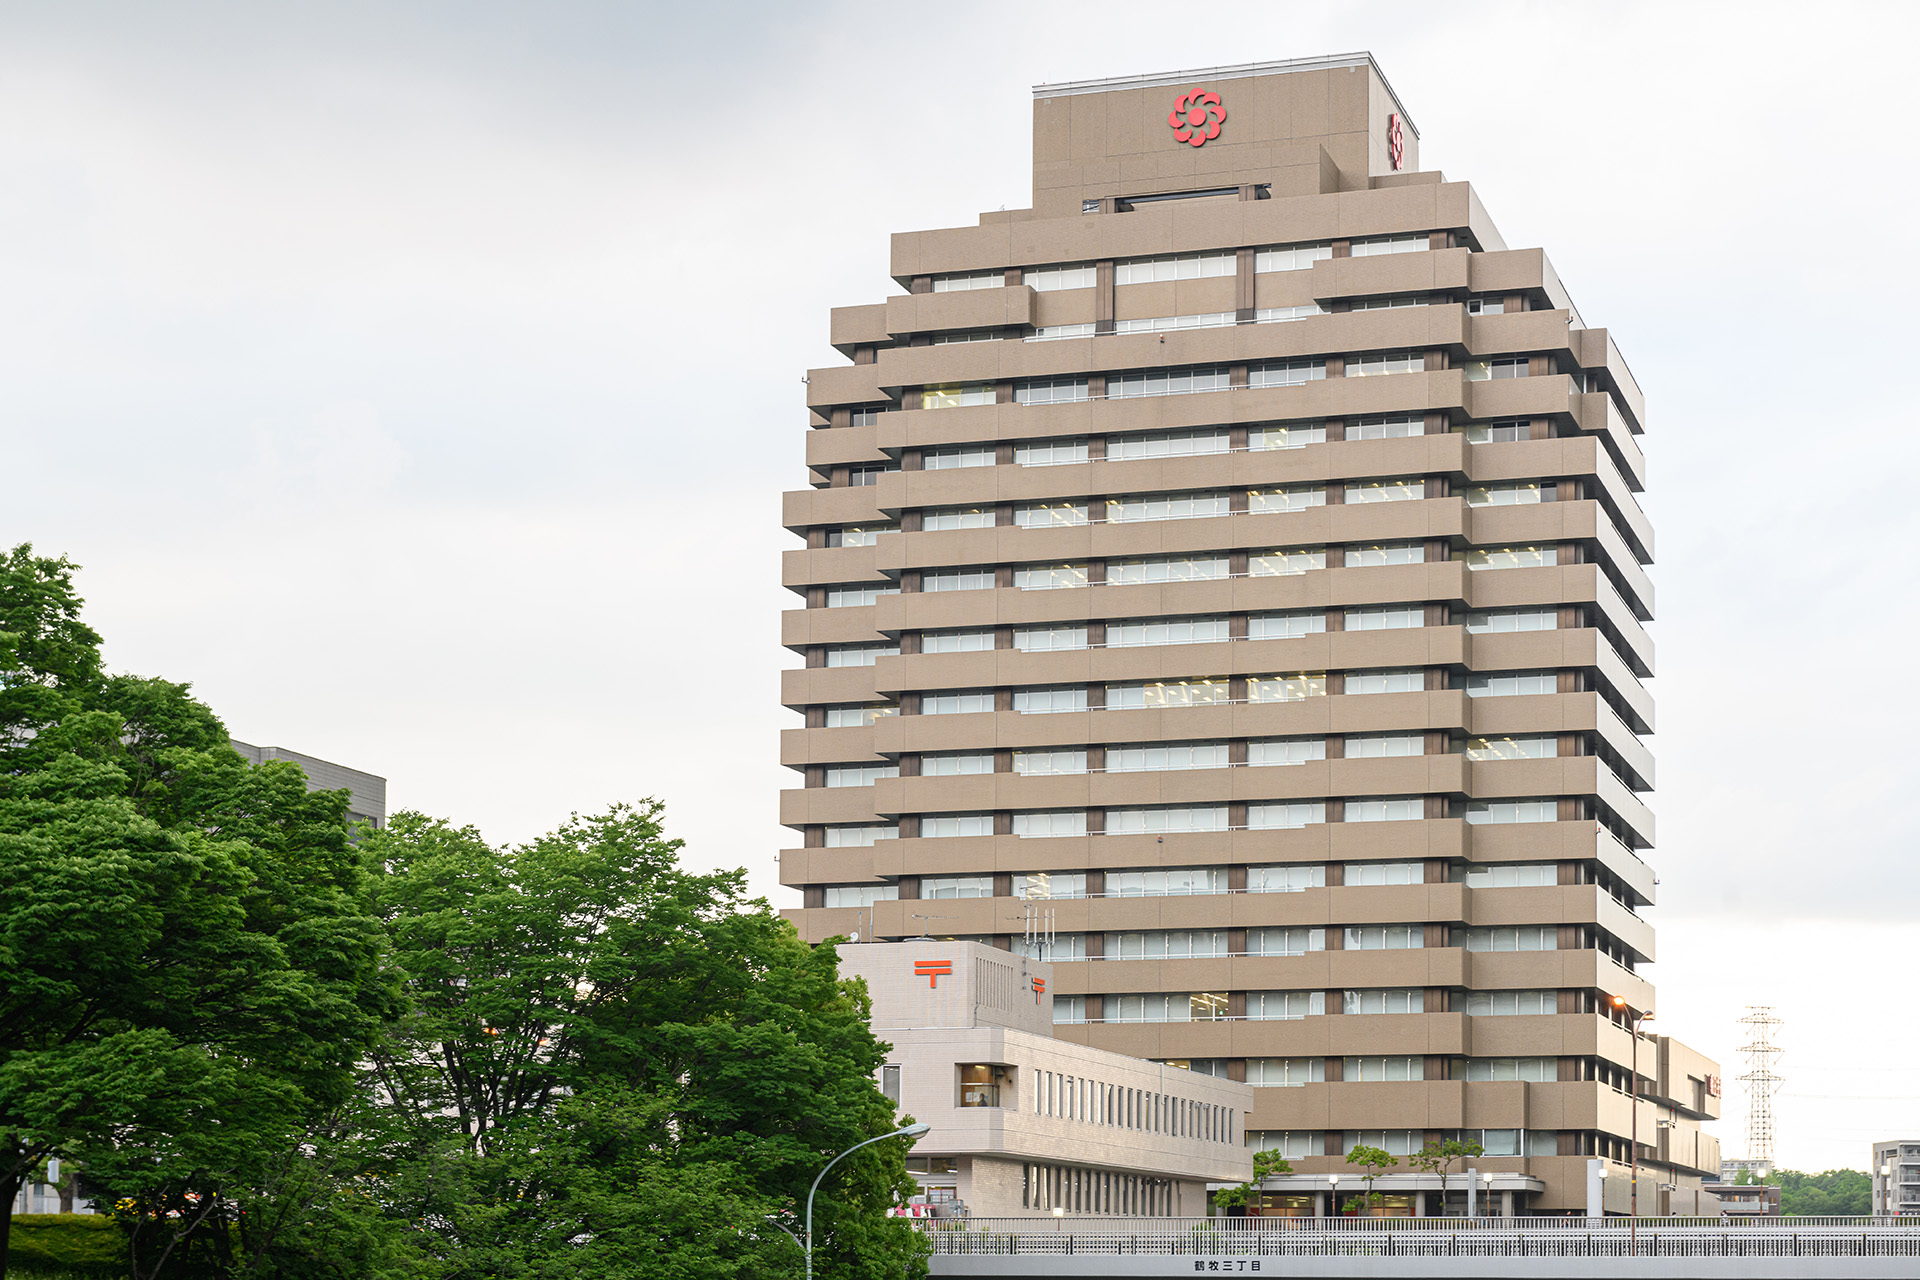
[
  {"x": 956, "y": 886},
  {"x": 1508, "y": 557},
  {"x": 859, "y": 775},
  {"x": 869, "y": 416},
  {"x": 1503, "y": 1004},
  {"x": 1536, "y": 1070},
  {"x": 1067, "y": 275},
  {"x": 1285, "y": 816},
  {"x": 975, "y": 579},
  {"x": 1050, "y": 884},
  {"x": 1064, "y": 946},
  {"x": 940, "y": 521},
  {"x": 1048, "y": 332},
  {"x": 955, "y": 702},
  {"x": 944, "y": 826},
  {"x": 1286, "y": 373},
  {"x": 1166, "y": 506},
  {"x": 1286, "y": 435},
  {"x": 1284, "y": 751},
  {"x": 1388, "y": 304},
  {"x": 1397, "y": 809},
  {"x": 1059, "y": 760},
  {"x": 1395, "y": 1142},
  {"x": 1510, "y": 875},
  {"x": 1215, "y": 1067},
  {"x": 1376, "y": 1070},
  {"x": 1167, "y": 944},
  {"x": 1132, "y": 822},
  {"x": 860, "y": 895},
  {"x": 1511, "y": 684},
  {"x": 1273, "y": 315},
  {"x": 972, "y": 280},
  {"x": 1284, "y": 1006},
  {"x": 1165, "y": 693},
  {"x": 1167, "y": 444},
  {"x": 955, "y": 641},
  {"x": 1049, "y": 390},
  {"x": 1050, "y": 515},
  {"x": 1045, "y": 824},
  {"x": 1374, "y": 746},
  {"x": 1497, "y": 432},
  {"x": 1394, "y": 617},
  {"x": 1050, "y": 701},
  {"x": 855, "y": 596},
  {"x": 1386, "y": 937},
  {"x": 1293, "y": 688},
  {"x": 1512, "y": 620},
  {"x": 1293, "y": 497},
  {"x": 1291, "y": 257},
  {"x": 1049, "y": 639},
  {"x": 857, "y": 837},
  {"x": 1516, "y": 1142},
  {"x": 1186, "y": 266},
  {"x": 1505, "y": 495},
  {"x": 1386, "y": 681},
  {"x": 1176, "y": 882},
  {"x": 1167, "y": 382},
  {"x": 950, "y": 764},
  {"x": 867, "y": 476},
  {"x": 1125, "y": 573},
  {"x": 1167, "y": 324},
  {"x": 1500, "y": 812},
  {"x": 952, "y": 459},
  {"x": 1542, "y": 748},
  {"x": 1284, "y": 563},
  {"x": 890, "y": 1083},
  {"x": 1069, "y": 1009},
  {"x": 1372, "y": 873},
  {"x": 1397, "y": 427},
  {"x": 1158, "y": 1007},
  {"x": 1375, "y": 245},
  {"x": 965, "y": 335},
  {"x": 1385, "y": 491},
  {"x": 1285, "y": 626},
  {"x": 1485, "y": 370},
  {"x": 1486, "y": 306},
  {"x": 1049, "y": 453},
  {"x": 1373, "y": 556},
  {"x": 1285, "y": 878},
  {"x": 1159, "y": 756},
  {"x": 855, "y": 717},
  {"x": 1050, "y": 577},
  {"x": 1390, "y": 1000},
  {"x": 955, "y": 395},
  {"x": 1285, "y": 942},
  {"x": 1380, "y": 362},
  {"x": 859, "y": 655},
  {"x": 1285, "y": 1073},
  {"x": 1159, "y": 631},
  {"x": 858, "y": 535}
]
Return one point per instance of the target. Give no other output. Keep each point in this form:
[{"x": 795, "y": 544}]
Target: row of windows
[
  {"x": 1201, "y": 505},
  {"x": 1202, "y": 944},
  {"x": 1228, "y": 319},
  {"x": 1275, "y": 563},
  {"x": 1094, "y": 1101},
  {"x": 1287, "y": 1006},
  {"x": 1194, "y": 379},
  {"x": 1301, "y": 1144},
  {"x": 1291, "y": 1073},
  {"x": 1184, "y": 266},
  {"x": 1262, "y": 816},
  {"x": 1155, "y": 757},
  {"x": 1158, "y": 882},
  {"x": 1217, "y": 691}
]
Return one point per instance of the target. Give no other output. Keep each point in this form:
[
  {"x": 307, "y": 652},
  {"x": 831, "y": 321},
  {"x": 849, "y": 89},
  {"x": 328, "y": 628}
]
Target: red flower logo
[{"x": 1196, "y": 117}]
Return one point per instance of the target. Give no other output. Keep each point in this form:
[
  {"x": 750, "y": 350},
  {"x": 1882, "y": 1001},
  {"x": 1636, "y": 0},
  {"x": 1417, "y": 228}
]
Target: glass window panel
[
  {"x": 860, "y": 895},
  {"x": 956, "y": 886},
  {"x": 1499, "y": 812},
  {"x": 1049, "y": 515},
  {"x": 1372, "y": 556},
  {"x": 1385, "y": 681},
  {"x": 953, "y": 459},
  {"x": 1071, "y": 275},
  {"x": 939, "y": 826},
  {"x": 1285, "y": 626},
  {"x": 1286, "y": 435},
  {"x": 977, "y": 579},
  {"x": 1123, "y": 822},
  {"x": 1291, "y": 688},
  {"x": 1173, "y": 569},
  {"x": 1050, "y": 577},
  {"x": 1285, "y": 562},
  {"x": 971, "y": 280},
  {"x": 1270, "y": 1006},
  {"x": 1168, "y": 444},
  {"x": 856, "y": 837},
  {"x": 949, "y": 518},
  {"x": 1047, "y": 639},
  {"x": 1291, "y": 257},
  {"x": 1049, "y": 453},
  {"x": 1360, "y": 492},
  {"x": 1392, "y": 1000},
  {"x": 1285, "y": 1073},
  {"x": 1286, "y": 373},
  {"x": 1050, "y": 701},
  {"x": 1296, "y": 941},
  {"x": 859, "y": 775},
  {"x": 1158, "y": 756},
  {"x": 949, "y": 764},
  {"x": 1373, "y": 873},
  {"x": 1162, "y": 631},
  {"x": 1536, "y": 748},
  {"x": 1051, "y": 884},
  {"x": 1167, "y": 693},
  {"x": 1505, "y": 495},
  {"x": 1189, "y": 266},
  {"x": 859, "y": 655},
  {"x": 1512, "y": 620},
  {"x": 1294, "y": 497},
  {"x": 1050, "y": 823},
  {"x": 1285, "y": 815},
  {"x": 1285, "y": 878},
  {"x": 1509, "y": 557},
  {"x": 955, "y": 702},
  {"x": 1166, "y": 506},
  {"x": 1512, "y": 684},
  {"x": 1374, "y": 746},
  {"x": 955, "y": 641},
  {"x": 1049, "y": 390},
  {"x": 1386, "y": 937},
  {"x": 1066, "y": 760},
  {"x": 1498, "y": 1004},
  {"x": 1285, "y": 751},
  {"x": 1389, "y": 618}
]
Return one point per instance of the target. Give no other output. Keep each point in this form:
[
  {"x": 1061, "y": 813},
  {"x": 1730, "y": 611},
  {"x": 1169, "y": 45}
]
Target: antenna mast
[{"x": 1761, "y": 1080}]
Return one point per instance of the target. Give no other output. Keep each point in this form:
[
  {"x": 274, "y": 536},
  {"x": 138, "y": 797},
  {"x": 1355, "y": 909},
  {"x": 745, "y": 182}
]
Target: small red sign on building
[
  {"x": 1196, "y": 117},
  {"x": 1039, "y": 989},
  {"x": 933, "y": 970}
]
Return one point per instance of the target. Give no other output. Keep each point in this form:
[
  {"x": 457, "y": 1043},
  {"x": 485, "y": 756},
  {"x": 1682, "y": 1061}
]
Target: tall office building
[{"x": 1233, "y": 563}]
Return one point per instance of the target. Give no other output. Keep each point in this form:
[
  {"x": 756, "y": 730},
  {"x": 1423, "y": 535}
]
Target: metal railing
[{"x": 1881, "y": 1237}]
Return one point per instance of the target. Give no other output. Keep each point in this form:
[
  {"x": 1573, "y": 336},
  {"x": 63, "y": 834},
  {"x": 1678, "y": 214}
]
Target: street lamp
[
  {"x": 1333, "y": 1195},
  {"x": 910, "y": 1131},
  {"x": 1488, "y": 1193},
  {"x": 1633, "y": 1095}
]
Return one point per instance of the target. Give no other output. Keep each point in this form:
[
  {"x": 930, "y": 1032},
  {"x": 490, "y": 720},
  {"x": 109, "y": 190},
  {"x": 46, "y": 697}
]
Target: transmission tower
[{"x": 1761, "y": 1080}]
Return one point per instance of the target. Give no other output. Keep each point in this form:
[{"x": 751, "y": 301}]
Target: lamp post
[
  {"x": 1333, "y": 1195},
  {"x": 910, "y": 1131},
  {"x": 1487, "y": 1177},
  {"x": 1633, "y": 1095}
]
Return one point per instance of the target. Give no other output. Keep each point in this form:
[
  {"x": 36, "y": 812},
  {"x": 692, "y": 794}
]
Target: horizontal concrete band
[{"x": 1398, "y": 1268}]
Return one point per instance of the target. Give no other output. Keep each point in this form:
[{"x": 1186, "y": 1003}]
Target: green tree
[
  {"x": 186, "y": 969},
  {"x": 1266, "y": 1164},
  {"x": 615, "y": 1067},
  {"x": 1373, "y": 1162},
  {"x": 1840, "y": 1192},
  {"x": 1439, "y": 1157}
]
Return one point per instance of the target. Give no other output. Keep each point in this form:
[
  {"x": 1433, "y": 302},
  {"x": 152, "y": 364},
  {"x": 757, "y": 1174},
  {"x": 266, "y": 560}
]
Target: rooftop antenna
[{"x": 1760, "y": 1078}]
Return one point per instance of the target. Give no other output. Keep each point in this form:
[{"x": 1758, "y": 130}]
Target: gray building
[
  {"x": 368, "y": 791},
  {"x": 1896, "y": 1177}
]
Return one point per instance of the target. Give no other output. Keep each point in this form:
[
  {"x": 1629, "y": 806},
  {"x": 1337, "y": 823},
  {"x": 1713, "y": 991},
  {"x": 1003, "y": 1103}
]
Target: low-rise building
[
  {"x": 1026, "y": 1124},
  {"x": 1896, "y": 1177}
]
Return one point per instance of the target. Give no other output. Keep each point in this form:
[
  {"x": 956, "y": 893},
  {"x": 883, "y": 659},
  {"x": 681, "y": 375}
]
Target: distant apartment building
[
  {"x": 1237, "y": 558},
  {"x": 367, "y": 792},
  {"x": 1896, "y": 1176}
]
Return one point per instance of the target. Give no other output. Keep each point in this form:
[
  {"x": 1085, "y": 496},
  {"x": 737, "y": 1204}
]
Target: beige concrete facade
[
  {"x": 1022, "y": 1122},
  {"x": 1237, "y": 555}
]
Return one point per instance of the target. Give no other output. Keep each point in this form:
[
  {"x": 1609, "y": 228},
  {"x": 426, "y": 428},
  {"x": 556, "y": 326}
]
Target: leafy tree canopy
[{"x": 1836, "y": 1191}]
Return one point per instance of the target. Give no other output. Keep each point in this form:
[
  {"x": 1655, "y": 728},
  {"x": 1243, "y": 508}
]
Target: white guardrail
[{"x": 1809, "y": 1237}]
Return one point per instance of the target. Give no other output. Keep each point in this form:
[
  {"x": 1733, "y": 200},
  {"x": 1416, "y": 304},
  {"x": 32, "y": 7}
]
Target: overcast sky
[{"x": 420, "y": 380}]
